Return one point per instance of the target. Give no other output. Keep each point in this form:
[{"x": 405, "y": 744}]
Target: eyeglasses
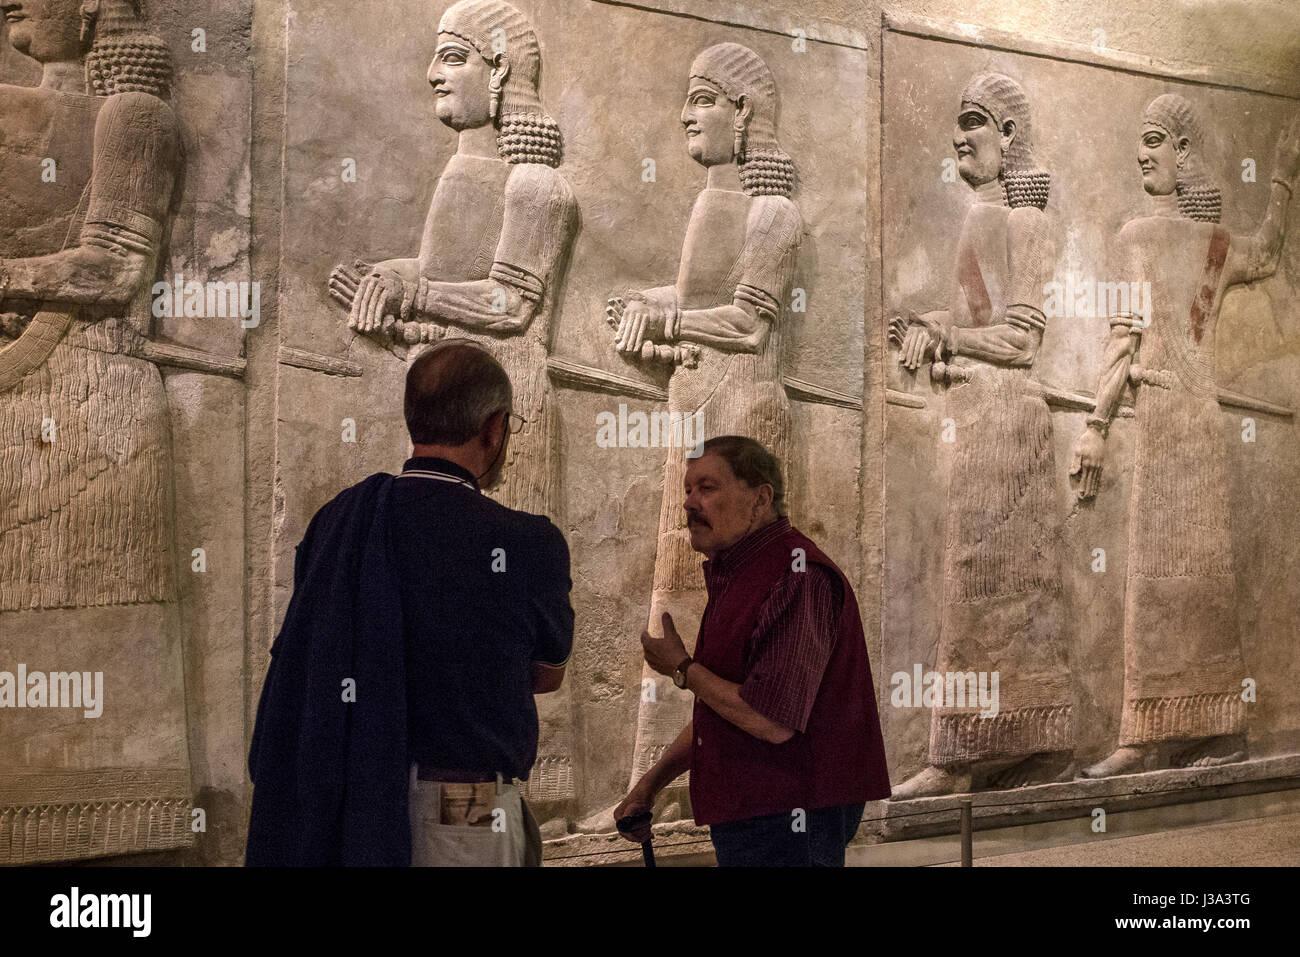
[{"x": 517, "y": 423}]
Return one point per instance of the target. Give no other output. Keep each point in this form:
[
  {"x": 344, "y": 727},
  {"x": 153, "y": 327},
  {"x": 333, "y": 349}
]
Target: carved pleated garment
[
  {"x": 1182, "y": 652},
  {"x": 736, "y": 246},
  {"x": 1002, "y": 606},
  {"x": 487, "y": 216},
  {"x": 87, "y": 582}
]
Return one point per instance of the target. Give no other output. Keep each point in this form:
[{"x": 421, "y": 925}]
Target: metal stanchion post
[{"x": 967, "y": 854}]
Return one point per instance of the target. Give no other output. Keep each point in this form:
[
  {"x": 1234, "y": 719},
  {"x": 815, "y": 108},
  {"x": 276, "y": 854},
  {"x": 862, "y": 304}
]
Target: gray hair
[
  {"x": 452, "y": 389},
  {"x": 752, "y": 464}
]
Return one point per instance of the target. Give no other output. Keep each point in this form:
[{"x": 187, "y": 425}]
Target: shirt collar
[
  {"x": 733, "y": 558},
  {"x": 429, "y": 463}
]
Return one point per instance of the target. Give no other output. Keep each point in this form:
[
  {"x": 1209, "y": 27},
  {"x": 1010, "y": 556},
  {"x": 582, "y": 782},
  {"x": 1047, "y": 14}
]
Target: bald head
[{"x": 452, "y": 390}]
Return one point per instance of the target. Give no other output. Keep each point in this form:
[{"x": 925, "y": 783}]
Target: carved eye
[
  {"x": 971, "y": 121},
  {"x": 703, "y": 99},
  {"x": 453, "y": 57}
]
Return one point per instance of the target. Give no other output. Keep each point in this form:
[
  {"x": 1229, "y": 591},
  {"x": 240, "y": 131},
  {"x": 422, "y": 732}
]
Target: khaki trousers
[{"x": 471, "y": 825}]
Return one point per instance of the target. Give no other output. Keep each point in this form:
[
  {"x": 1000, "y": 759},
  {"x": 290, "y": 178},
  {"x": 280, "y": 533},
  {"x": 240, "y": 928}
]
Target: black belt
[{"x": 458, "y": 777}]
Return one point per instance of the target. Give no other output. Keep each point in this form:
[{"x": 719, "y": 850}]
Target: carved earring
[
  {"x": 496, "y": 83},
  {"x": 89, "y": 14},
  {"x": 494, "y": 96},
  {"x": 739, "y": 129}
]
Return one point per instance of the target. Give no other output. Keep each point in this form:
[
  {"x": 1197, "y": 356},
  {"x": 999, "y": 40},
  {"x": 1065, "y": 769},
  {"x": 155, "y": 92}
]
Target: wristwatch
[{"x": 679, "y": 676}]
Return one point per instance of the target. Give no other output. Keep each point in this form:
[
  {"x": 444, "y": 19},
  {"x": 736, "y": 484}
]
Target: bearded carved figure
[
  {"x": 1183, "y": 669},
  {"x": 87, "y": 574},
  {"x": 495, "y": 245},
  {"x": 1001, "y": 607}
]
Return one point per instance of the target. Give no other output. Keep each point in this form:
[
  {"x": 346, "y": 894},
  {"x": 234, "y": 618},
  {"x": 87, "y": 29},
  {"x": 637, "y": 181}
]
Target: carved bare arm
[
  {"x": 484, "y": 305},
  {"x": 1256, "y": 257},
  {"x": 1011, "y": 343},
  {"x": 106, "y": 273},
  {"x": 739, "y": 327},
  {"x": 126, "y": 207},
  {"x": 653, "y": 316},
  {"x": 1090, "y": 447}
]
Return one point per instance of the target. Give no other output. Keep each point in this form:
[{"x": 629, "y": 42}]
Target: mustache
[{"x": 694, "y": 519}]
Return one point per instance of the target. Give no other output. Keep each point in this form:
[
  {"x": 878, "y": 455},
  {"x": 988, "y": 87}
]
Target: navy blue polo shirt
[{"x": 485, "y": 593}]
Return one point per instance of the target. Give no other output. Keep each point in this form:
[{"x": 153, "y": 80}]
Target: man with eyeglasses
[{"x": 398, "y": 716}]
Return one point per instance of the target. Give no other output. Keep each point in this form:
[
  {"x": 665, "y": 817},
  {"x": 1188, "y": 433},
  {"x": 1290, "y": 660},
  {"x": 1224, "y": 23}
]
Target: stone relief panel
[
  {"x": 1125, "y": 562},
  {"x": 719, "y": 325},
  {"x": 529, "y": 236},
  {"x": 101, "y": 636},
  {"x": 1001, "y": 609},
  {"x": 490, "y": 268},
  {"x": 1183, "y": 667}
]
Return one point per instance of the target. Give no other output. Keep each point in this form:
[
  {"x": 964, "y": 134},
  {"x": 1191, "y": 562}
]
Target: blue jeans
[{"x": 776, "y": 840}]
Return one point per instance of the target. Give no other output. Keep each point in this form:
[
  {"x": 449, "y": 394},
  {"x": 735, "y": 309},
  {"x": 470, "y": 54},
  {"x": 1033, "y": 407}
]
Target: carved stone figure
[
  {"x": 1183, "y": 669},
  {"x": 720, "y": 325},
  {"x": 1001, "y": 604},
  {"x": 87, "y": 162},
  {"x": 495, "y": 246}
]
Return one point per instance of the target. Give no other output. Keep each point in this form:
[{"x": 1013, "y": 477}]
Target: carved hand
[
  {"x": 1286, "y": 161},
  {"x": 344, "y": 281},
  {"x": 918, "y": 347},
  {"x": 1089, "y": 456},
  {"x": 640, "y": 321},
  {"x": 899, "y": 323},
  {"x": 379, "y": 296},
  {"x": 664, "y": 654}
]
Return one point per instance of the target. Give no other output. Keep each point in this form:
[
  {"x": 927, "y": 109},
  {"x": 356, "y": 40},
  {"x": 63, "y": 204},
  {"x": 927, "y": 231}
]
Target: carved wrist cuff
[
  {"x": 522, "y": 281},
  {"x": 421, "y": 302},
  {"x": 947, "y": 347},
  {"x": 1026, "y": 318},
  {"x": 1099, "y": 424},
  {"x": 410, "y": 291},
  {"x": 672, "y": 326},
  {"x": 1285, "y": 185}
]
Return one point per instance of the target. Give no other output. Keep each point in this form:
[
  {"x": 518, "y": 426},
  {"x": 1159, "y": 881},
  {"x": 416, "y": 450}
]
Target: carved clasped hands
[
  {"x": 1089, "y": 457},
  {"x": 917, "y": 337},
  {"x": 374, "y": 297},
  {"x": 637, "y": 320}
]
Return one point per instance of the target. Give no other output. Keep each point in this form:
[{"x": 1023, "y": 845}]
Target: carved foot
[
  {"x": 1122, "y": 761},
  {"x": 933, "y": 780},
  {"x": 669, "y": 807},
  {"x": 602, "y": 822},
  {"x": 1035, "y": 769},
  {"x": 1211, "y": 752}
]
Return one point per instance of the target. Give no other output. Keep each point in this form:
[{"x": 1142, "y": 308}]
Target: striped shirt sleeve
[{"x": 790, "y": 647}]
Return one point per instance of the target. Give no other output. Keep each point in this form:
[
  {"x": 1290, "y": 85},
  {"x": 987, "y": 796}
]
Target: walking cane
[{"x": 626, "y": 825}]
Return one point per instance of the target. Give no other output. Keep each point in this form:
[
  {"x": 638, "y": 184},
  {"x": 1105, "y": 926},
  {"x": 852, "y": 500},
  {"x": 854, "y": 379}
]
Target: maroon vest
[{"x": 840, "y": 756}]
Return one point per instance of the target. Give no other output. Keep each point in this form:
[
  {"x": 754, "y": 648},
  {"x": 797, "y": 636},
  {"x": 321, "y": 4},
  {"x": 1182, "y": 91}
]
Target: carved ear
[
  {"x": 1008, "y": 134},
  {"x": 744, "y": 110},
  {"x": 1182, "y": 147},
  {"x": 500, "y": 70}
]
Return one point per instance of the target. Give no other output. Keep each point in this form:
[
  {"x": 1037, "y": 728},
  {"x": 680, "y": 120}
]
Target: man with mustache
[{"x": 784, "y": 745}]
